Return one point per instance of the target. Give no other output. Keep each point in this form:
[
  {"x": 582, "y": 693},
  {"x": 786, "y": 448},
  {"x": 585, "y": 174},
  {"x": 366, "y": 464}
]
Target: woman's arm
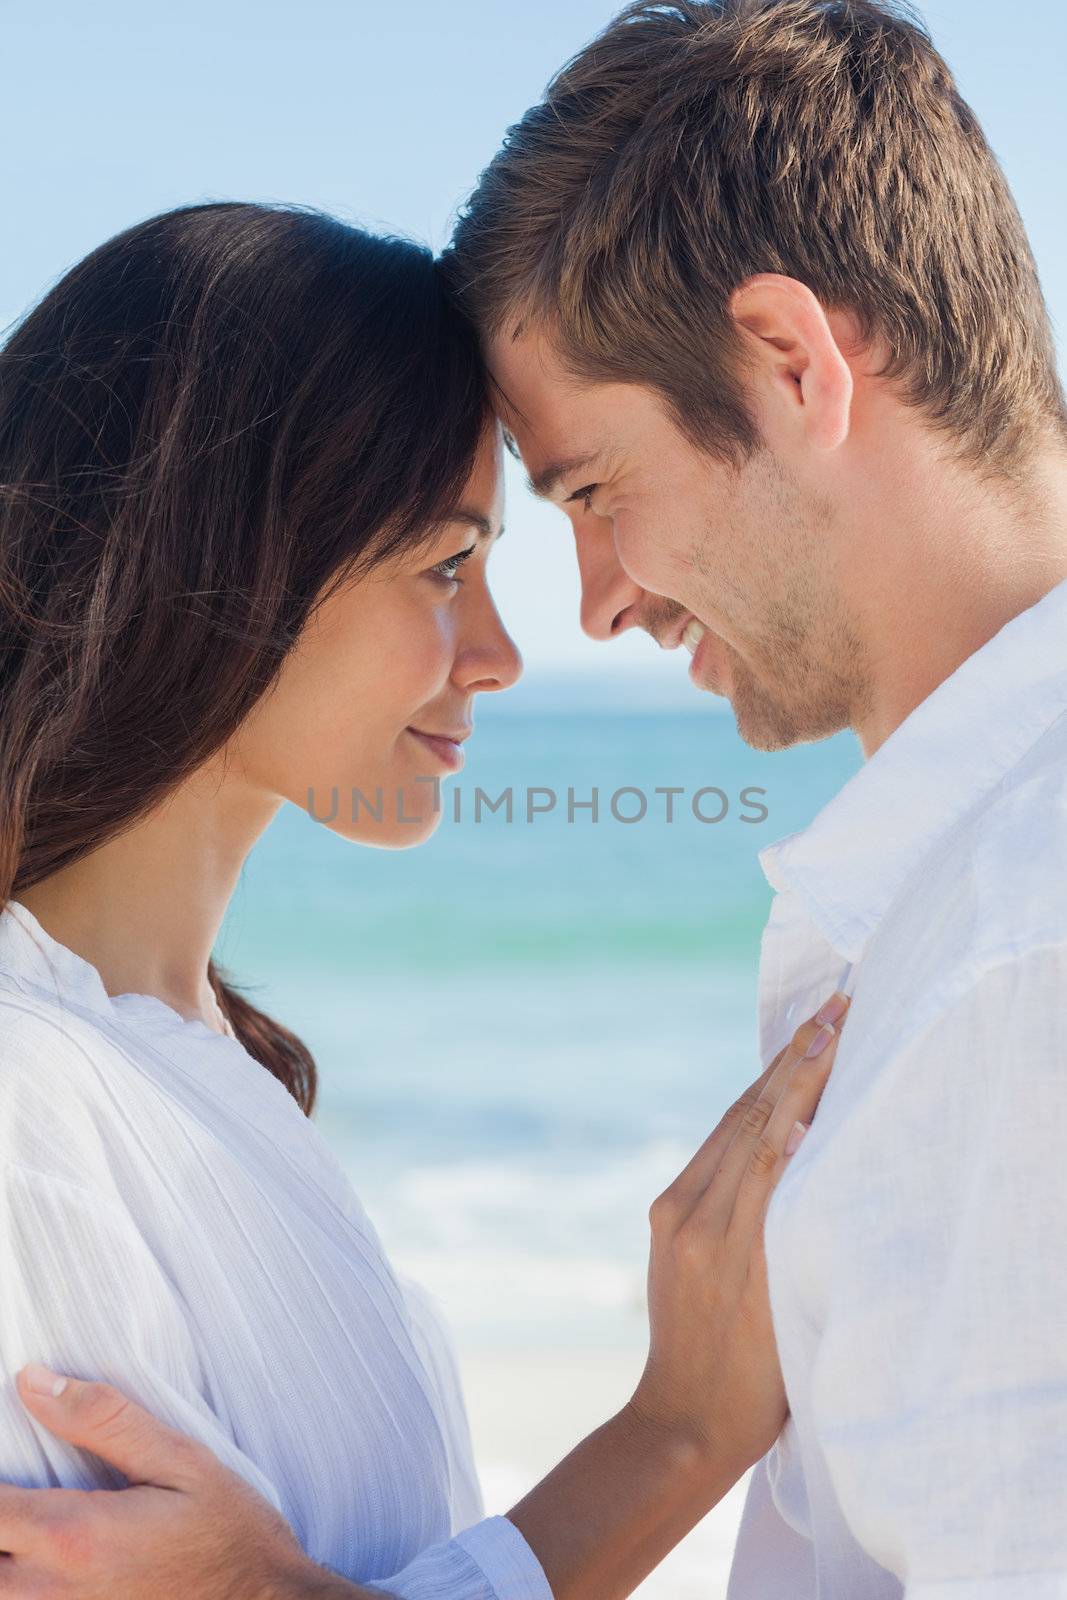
[
  {"x": 80, "y": 1282},
  {"x": 711, "y": 1401},
  {"x": 709, "y": 1404}
]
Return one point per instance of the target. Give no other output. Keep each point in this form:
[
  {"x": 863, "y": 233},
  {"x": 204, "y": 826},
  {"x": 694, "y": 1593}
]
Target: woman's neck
[{"x": 145, "y": 908}]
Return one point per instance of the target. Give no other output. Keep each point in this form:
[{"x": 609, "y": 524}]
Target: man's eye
[
  {"x": 448, "y": 569},
  {"x": 585, "y": 494}
]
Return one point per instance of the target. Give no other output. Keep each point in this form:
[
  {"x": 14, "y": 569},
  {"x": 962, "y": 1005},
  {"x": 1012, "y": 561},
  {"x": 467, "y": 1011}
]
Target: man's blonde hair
[{"x": 695, "y": 143}]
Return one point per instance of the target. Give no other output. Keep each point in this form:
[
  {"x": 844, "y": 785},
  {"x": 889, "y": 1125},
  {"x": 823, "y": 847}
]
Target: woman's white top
[{"x": 173, "y": 1224}]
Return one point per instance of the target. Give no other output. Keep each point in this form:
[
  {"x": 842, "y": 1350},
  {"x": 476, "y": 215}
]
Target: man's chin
[
  {"x": 766, "y": 722},
  {"x": 711, "y": 685}
]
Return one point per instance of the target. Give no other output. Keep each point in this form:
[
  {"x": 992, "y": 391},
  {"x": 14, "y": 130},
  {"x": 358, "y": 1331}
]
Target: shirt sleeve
[
  {"x": 490, "y": 1561},
  {"x": 939, "y": 1386},
  {"x": 83, "y": 1293},
  {"x": 434, "y": 1342},
  {"x": 1028, "y": 1586}
]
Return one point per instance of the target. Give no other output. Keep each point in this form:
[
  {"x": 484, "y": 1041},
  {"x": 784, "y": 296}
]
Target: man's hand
[
  {"x": 187, "y": 1529},
  {"x": 709, "y": 1403}
]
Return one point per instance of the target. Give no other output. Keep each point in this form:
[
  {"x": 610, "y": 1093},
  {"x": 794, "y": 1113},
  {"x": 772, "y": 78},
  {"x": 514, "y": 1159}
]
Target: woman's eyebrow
[{"x": 476, "y": 519}]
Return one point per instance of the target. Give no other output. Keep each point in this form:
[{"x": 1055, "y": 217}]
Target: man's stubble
[{"x": 805, "y": 672}]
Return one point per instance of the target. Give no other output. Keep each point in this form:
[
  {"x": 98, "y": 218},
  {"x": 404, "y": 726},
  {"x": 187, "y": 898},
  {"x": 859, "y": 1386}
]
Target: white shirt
[
  {"x": 173, "y": 1224},
  {"x": 917, "y": 1243}
]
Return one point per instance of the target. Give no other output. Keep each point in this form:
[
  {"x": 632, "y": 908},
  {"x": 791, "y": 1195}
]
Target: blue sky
[{"x": 385, "y": 115}]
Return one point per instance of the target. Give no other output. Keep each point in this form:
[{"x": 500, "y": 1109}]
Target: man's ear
[{"x": 790, "y": 346}]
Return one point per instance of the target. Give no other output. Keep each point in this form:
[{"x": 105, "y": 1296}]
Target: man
[{"x": 764, "y": 321}]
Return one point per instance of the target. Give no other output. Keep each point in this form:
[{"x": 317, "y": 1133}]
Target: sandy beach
[{"x": 528, "y": 1408}]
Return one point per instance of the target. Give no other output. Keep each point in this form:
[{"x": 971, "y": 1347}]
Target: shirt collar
[
  {"x": 29, "y": 954},
  {"x": 848, "y": 865},
  {"x": 41, "y": 966}
]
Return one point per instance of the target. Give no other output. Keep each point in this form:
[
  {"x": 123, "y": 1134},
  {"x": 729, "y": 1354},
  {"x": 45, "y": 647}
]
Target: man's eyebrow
[
  {"x": 548, "y": 479},
  {"x": 476, "y": 519}
]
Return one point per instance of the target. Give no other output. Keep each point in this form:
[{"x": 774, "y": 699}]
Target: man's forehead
[
  {"x": 542, "y": 444},
  {"x": 554, "y": 421},
  {"x": 548, "y": 464},
  {"x": 542, "y": 427},
  {"x": 531, "y": 381}
]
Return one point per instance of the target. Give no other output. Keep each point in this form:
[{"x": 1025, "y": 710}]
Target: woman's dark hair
[{"x": 206, "y": 426}]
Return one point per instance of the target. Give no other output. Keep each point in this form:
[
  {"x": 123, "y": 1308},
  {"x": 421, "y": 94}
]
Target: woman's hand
[
  {"x": 709, "y": 1404},
  {"x": 187, "y": 1529},
  {"x": 711, "y": 1400},
  {"x": 712, "y": 1372}
]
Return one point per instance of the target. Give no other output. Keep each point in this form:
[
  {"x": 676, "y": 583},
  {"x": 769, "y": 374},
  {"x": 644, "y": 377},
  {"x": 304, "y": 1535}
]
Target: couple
[{"x": 750, "y": 297}]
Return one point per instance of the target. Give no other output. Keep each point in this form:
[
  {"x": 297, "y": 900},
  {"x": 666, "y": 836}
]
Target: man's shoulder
[
  {"x": 992, "y": 892},
  {"x": 1011, "y": 853},
  {"x": 997, "y": 878}
]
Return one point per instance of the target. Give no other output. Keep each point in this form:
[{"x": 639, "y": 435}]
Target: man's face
[{"x": 671, "y": 540}]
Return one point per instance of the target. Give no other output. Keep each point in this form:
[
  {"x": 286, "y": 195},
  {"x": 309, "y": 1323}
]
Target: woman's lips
[{"x": 448, "y": 751}]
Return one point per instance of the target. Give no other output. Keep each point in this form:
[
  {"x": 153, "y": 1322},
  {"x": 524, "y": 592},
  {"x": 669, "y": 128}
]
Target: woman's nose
[{"x": 491, "y": 660}]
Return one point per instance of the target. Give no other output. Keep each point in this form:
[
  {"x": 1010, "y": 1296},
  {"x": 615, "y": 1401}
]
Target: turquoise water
[{"x": 525, "y": 1028}]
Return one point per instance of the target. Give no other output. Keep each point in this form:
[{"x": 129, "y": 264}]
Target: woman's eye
[{"x": 448, "y": 569}]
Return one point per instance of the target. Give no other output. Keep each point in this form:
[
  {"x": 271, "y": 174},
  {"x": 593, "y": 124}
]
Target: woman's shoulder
[
  {"x": 44, "y": 1041},
  {"x": 58, "y": 1080}
]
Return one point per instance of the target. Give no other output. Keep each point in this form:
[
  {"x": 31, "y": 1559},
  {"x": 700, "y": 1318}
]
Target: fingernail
[
  {"x": 797, "y": 1133},
  {"x": 41, "y": 1381},
  {"x": 820, "y": 1041},
  {"x": 834, "y": 1009}
]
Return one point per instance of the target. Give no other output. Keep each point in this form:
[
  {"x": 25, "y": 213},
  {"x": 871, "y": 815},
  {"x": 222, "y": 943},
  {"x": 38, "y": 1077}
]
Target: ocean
[{"x": 526, "y": 1026}]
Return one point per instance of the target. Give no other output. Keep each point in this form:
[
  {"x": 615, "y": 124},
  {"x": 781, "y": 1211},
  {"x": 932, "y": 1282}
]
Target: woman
[{"x": 251, "y": 481}]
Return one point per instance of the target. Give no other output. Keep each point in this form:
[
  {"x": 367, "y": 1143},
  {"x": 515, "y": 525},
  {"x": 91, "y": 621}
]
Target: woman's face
[{"x": 366, "y": 716}]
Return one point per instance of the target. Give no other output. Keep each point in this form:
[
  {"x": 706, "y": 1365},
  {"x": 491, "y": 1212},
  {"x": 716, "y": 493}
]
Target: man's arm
[
  {"x": 709, "y": 1403},
  {"x": 611, "y": 1510}
]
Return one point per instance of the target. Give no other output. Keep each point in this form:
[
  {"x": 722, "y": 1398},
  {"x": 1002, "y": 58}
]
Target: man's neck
[{"x": 942, "y": 594}]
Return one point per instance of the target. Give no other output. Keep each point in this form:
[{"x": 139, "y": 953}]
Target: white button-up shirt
[
  {"x": 172, "y": 1223},
  {"x": 917, "y": 1242}
]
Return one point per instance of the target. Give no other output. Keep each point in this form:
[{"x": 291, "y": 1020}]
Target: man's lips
[
  {"x": 701, "y": 643},
  {"x": 708, "y": 666},
  {"x": 693, "y": 632},
  {"x": 688, "y": 630},
  {"x": 672, "y": 637}
]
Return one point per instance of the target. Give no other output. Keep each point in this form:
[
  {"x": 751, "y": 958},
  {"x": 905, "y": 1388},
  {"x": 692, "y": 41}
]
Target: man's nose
[{"x": 610, "y": 598}]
